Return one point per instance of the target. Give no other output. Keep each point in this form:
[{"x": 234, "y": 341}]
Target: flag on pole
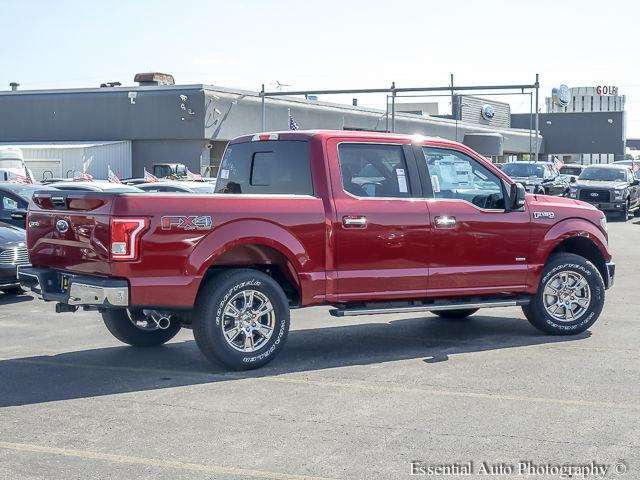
[
  {"x": 149, "y": 177},
  {"x": 557, "y": 162},
  {"x": 112, "y": 177},
  {"x": 20, "y": 179},
  {"x": 193, "y": 176},
  {"x": 293, "y": 125},
  {"x": 83, "y": 177}
]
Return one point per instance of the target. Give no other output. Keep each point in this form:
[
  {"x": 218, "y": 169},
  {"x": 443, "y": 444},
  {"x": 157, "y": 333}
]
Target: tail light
[{"x": 125, "y": 237}]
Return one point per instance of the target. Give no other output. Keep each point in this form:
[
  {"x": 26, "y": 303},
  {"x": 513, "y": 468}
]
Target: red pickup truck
[{"x": 368, "y": 223}]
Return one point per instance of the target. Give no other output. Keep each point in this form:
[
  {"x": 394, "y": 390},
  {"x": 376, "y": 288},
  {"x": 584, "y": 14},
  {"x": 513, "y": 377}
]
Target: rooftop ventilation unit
[{"x": 153, "y": 78}]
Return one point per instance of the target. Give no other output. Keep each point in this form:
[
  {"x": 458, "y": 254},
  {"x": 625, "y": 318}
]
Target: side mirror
[
  {"x": 573, "y": 179},
  {"x": 518, "y": 193}
]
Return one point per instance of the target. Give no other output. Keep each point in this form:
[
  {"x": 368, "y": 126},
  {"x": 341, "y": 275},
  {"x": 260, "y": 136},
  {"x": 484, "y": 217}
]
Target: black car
[
  {"x": 538, "y": 177},
  {"x": 571, "y": 170},
  {"x": 611, "y": 188},
  {"x": 13, "y": 252},
  {"x": 14, "y": 200}
]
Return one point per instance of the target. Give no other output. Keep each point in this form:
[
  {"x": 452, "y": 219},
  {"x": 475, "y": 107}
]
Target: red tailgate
[{"x": 70, "y": 231}]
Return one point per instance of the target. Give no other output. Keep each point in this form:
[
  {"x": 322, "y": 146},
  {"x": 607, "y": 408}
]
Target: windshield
[
  {"x": 523, "y": 170},
  {"x": 566, "y": 170},
  {"x": 603, "y": 174},
  {"x": 162, "y": 171}
]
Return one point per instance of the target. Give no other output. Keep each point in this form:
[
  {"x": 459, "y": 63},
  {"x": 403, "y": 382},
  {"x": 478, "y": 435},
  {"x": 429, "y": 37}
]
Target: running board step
[{"x": 428, "y": 307}]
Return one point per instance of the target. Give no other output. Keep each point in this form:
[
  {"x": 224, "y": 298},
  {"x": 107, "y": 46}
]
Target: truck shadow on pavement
[{"x": 114, "y": 370}]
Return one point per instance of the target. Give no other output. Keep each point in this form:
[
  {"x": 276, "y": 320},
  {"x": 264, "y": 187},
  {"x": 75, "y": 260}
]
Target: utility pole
[
  {"x": 264, "y": 110},
  {"x": 451, "y": 83},
  {"x": 393, "y": 107},
  {"x": 537, "y": 84}
]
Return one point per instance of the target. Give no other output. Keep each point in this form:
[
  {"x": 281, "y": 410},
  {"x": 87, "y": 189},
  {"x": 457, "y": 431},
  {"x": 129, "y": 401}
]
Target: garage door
[{"x": 44, "y": 169}]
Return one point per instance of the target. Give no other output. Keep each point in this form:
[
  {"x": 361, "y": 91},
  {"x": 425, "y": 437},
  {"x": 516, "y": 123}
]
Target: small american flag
[
  {"x": 558, "y": 163},
  {"x": 112, "y": 177},
  {"x": 149, "y": 177},
  {"x": 194, "y": 177},
  {"x": 293, "y": 125},
  {"x": 83, "y": 177}
]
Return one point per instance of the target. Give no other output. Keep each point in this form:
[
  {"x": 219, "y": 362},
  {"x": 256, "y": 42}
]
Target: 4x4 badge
[{"x": 186, "y": 222}]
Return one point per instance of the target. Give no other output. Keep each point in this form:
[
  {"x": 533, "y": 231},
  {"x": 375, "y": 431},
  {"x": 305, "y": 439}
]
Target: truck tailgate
[{"x": 70, "y": 231}]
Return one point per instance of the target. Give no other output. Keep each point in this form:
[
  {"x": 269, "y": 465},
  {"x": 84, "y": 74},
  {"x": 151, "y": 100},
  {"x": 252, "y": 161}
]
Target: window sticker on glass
[
  {"x": 435, "y": 182},
  {"x": 402, "y": 180},
  {"x": 224, "y": 173}
]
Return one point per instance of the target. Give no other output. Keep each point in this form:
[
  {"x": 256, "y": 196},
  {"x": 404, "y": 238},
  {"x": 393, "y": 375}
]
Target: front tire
[
  {"x": 122, "y": 323},
  {"x": 455, "y": 314},
  {"x": 625, "y": 213},
  {"x": 241, "y": 319},
  {"x": 570, "y": 296}
]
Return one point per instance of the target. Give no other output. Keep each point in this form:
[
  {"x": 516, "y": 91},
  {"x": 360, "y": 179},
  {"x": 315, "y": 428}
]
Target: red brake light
[{"x": 125, "y": 237}]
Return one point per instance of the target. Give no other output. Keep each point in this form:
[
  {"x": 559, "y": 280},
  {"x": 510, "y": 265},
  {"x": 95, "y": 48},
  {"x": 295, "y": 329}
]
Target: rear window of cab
[{"x": 266, "y": 167}]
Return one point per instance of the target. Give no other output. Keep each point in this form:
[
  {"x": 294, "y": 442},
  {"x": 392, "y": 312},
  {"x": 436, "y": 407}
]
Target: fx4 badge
[
  {"x": 544, "y": 215},
  {"x": 186, "y": 222}
]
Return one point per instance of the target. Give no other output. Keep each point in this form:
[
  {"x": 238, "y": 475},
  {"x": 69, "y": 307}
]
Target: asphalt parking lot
[{"x": 348, "y": 398}]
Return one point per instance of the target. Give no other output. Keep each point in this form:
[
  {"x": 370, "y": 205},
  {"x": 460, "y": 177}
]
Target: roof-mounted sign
[{"x": 606, "y": 90}]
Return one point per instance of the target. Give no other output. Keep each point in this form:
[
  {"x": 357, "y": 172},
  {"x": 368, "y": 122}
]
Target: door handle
[
  {"x": 354, "y": 221},
  {"x": 445, "y": 221}
]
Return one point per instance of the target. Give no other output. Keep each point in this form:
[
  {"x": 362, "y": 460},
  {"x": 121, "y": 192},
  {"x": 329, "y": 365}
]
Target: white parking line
[{"x": 153, "y": 462}]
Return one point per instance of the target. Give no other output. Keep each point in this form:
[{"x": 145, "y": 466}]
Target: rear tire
[
  {"x": 119, "y": 323},
  {"x": 455, "y": 314},
  {"x": 228, "y": 325},
  {"x": 548, "y": 315}
]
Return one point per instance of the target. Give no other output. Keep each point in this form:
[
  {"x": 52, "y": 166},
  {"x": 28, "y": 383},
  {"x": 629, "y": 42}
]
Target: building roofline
[{"x": 196, "y": 86}]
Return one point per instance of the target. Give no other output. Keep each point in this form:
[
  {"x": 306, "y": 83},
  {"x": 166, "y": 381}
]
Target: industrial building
[
  {"x": 155, "y": 122},
  {"x": 582, "y": 124}
]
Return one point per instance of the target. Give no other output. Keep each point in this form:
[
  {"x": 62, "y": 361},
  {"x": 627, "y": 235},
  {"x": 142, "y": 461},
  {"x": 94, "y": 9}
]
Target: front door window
[{"x": 454, "y": 175}]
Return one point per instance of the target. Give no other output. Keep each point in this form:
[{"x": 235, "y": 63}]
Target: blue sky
[{"x": 328, "y": 44}]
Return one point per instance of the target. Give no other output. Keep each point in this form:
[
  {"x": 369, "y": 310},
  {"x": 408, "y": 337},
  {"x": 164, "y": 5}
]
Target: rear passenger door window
[
  {"x": 266, "y": 167},
  {"x": 374, "y": 170}
]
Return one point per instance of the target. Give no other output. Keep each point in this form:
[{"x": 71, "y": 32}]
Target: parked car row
[
  {"x": 612, "y": 188},
  {"x": 14, "y": 202},
  {"x": 538, "y": 177}
]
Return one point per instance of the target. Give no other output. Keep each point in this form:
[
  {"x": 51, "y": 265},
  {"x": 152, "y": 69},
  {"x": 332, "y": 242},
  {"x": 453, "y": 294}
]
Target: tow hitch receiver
[{"x": 63, "y": 308}]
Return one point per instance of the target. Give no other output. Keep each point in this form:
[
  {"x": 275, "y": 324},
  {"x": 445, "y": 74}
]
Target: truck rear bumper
[{"x": 72, "y": 289}]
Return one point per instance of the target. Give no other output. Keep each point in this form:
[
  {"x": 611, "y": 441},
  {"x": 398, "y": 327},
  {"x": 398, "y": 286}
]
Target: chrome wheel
[
  {"x": 248, "y": 321},
  {"x": 567, "y": 296}
]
